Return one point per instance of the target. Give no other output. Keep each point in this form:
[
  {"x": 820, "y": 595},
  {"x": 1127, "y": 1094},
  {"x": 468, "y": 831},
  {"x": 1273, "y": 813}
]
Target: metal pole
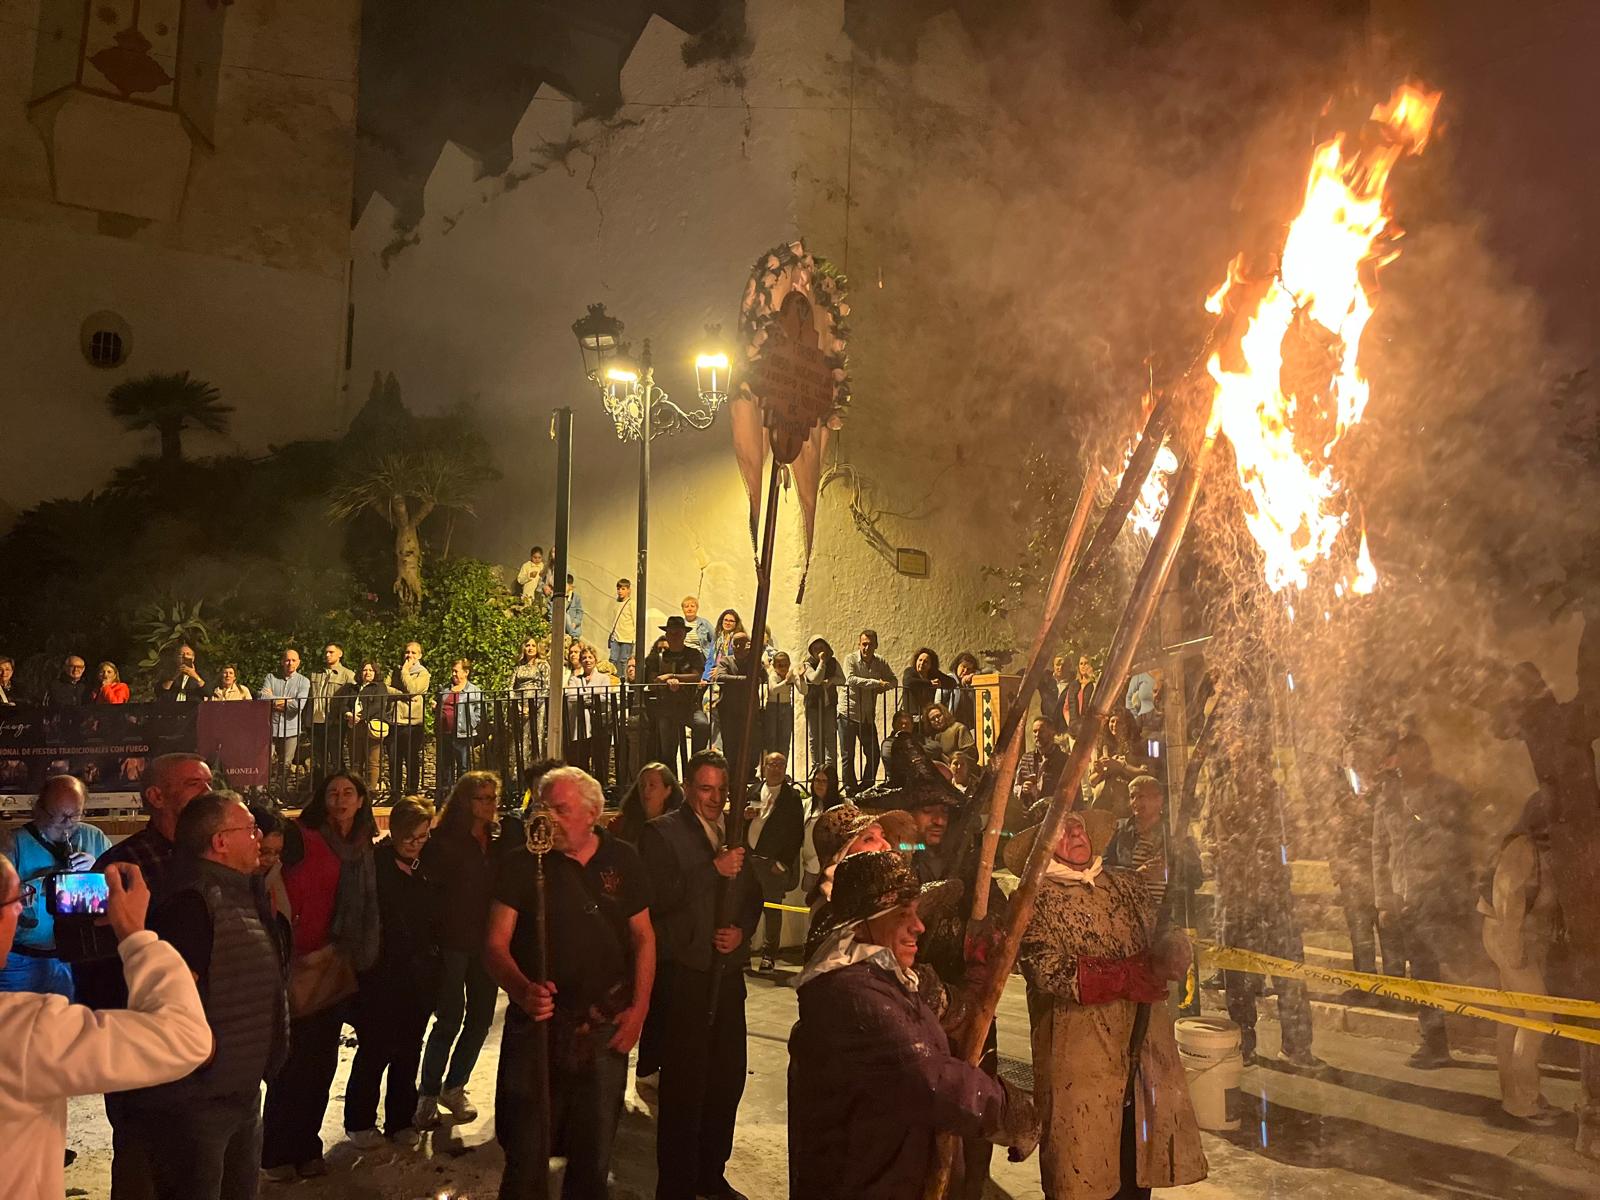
[
  {"x": 641, "y": 570},
  {"x": 561, "y": 433},
  {"x": 541, "y": 840}
]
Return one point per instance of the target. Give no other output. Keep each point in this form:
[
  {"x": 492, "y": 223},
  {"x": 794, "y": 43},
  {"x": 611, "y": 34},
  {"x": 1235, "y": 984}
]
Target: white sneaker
[
  {"x": 366, "y": 1139},
  {"x": 427, "y": 1116},
  {"x": 460, "y": 1107},
  {"x": 407, "y": 1138}
]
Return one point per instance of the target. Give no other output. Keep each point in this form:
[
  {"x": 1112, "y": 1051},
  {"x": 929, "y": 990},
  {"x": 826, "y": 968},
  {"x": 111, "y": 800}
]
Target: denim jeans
[
  {"x": 585, "y": 1109},
  {"x": 619, "y": 653},
  {"x": 465, "y": 1005},
  {"x": 850, "y": 732}
]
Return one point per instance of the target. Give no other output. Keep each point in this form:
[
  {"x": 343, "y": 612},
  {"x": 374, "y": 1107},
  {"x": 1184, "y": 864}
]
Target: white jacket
[{"x": 50, "y": 1050}]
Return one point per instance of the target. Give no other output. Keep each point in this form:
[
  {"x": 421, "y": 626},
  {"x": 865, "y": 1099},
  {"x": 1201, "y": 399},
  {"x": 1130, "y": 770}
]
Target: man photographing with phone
[
  {"x": 56, "y": 840},
  {"x": 51, "y": 1049}
]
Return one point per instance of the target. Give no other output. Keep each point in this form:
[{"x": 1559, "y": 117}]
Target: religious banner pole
[
  {"x": 541, "y": 840},
  {"x": 794, "y": 384}
]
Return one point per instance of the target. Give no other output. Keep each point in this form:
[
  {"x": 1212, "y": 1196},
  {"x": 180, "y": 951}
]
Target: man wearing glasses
[
  {"x": 51, "y": 1050},
  {"x": 199, "y": 1138}
]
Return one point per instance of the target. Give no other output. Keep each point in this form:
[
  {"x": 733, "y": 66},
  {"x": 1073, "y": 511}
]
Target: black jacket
[
  {"x": 61, "y": 692},
  {"x": 462, "y": 876},
  {"x": 786, "y": 828},
  {"x": 408, "y": 952},
  {"x": 685, "y": 887},
  {"x": 871, "y": 1081}
]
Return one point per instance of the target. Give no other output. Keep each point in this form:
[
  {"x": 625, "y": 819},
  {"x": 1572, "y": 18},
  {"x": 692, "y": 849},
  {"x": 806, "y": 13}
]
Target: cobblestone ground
[{"x": 1370, "y": 1128}]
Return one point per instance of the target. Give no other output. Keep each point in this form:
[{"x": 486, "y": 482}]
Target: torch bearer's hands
[
  {"x": 730, "y": 862},
  {"x": 729, "y": 938},
  {"x": 630, "y": 1024},
  {"x": 538, "y": 1000}
]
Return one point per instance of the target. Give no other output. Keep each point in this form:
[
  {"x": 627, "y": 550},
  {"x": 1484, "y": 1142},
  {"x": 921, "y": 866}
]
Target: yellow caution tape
[
  {"x": 795, "y": 908},
  {"x": 1451, "y": 997}
]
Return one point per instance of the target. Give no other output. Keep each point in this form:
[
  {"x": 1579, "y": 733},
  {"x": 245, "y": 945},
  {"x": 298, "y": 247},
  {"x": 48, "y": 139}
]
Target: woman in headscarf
[{"x": 331, "y": 881}]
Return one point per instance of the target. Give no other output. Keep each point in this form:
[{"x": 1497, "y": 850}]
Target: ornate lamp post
[{"x": 641, "y": 411}]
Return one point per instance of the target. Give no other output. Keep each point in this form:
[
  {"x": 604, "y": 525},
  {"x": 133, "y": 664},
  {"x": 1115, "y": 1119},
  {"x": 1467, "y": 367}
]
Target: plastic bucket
[{"x": 1209, "y": 1050}]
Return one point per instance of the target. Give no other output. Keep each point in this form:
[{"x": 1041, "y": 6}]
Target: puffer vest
[{"x": 243, "y": 994}]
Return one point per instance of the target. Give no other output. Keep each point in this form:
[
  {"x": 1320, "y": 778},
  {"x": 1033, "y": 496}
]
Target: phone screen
[{"x": 79, "y": 894}]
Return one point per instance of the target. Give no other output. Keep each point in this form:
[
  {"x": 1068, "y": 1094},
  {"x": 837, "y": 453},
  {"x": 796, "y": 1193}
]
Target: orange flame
[{"x": 1326, "y": 276}]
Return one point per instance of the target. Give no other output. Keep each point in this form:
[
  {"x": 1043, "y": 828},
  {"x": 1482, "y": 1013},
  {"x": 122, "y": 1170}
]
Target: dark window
[{"x": 105, "y": 348}]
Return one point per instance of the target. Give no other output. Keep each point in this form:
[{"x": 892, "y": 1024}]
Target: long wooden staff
[
  {"x": 1136, "y": 616},
  {"x": 1005, "y": 773}
]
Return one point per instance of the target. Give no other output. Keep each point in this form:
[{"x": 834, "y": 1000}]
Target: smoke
[{"x": 1070, "y": 228}]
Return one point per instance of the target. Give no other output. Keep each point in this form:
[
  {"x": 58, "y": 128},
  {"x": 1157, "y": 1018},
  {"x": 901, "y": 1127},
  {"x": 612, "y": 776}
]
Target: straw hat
[
  {"x": 1099, "y": 823},
  {"x": 837, "y": 828}
]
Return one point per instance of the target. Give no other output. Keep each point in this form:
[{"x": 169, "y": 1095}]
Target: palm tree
[
  {"x": 169, "y": 404},
  {"x": 404, "y": 487}
]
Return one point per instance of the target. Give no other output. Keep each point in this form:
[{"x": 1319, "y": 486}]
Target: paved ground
[{"x": 1371, "y": 1129}]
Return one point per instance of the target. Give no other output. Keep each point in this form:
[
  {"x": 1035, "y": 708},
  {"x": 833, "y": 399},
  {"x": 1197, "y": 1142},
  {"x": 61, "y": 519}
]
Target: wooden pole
[
  {"x": 728, "y": 894},
  {"x": 1011, "y": 752},
  {"x": 1135, "y": 618}
]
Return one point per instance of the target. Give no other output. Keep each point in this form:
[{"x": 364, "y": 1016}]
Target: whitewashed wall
[{"x": 659, "y": 212}]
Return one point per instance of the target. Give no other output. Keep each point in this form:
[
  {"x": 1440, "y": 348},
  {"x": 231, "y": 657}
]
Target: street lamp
[{"x": 641, "y": 411}]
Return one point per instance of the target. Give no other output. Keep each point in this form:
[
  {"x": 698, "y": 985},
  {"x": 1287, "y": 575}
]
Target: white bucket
[{"x": 1209, "y": 1050}]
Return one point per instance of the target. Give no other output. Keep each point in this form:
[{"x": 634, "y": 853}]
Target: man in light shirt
[
  {"x": 619, "y": 642},
  {"x": 51, "y": 1050}
]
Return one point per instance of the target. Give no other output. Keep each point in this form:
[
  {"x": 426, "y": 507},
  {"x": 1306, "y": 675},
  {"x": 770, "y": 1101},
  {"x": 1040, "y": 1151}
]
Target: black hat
[
  {"x": 865, "y": 885},
  {"x": 675, "y": 622},
  {"x": 914, "y": 780}
]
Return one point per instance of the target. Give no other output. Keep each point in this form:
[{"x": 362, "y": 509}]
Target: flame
[
  {"x": 1151, "y": 502},
  {"x": 1326, "y": 276}
]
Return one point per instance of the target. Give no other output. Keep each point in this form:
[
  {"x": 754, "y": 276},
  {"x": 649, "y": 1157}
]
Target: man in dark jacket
[
  {"x": 776, "y": 825},
  {"x": 672, "y": 679},
  {"x": 200, "y": 1137},
  {"x": 690, "y": 865},
  {"x": 872, "y": 1081},
  {"x": 69, "y": 689}
]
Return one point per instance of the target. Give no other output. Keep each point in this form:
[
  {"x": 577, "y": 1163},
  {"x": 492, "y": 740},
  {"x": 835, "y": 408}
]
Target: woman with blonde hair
[
  {"x": 111, "y": 690},
  {"x": 460, "y": 860}
]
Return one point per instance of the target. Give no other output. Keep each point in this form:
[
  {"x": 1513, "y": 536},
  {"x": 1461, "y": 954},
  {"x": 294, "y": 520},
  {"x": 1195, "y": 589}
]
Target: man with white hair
[
  {"x": 55, "y": 840},
  {"x": 594, "y": 989},
  {"x": 51, "y": 1049}
]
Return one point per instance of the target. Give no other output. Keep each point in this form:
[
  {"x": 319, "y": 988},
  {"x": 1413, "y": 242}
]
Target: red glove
[{"x": 1102, "y": 980}]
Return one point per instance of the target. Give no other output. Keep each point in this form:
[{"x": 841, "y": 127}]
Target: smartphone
[{"x": 78, "y": 894}]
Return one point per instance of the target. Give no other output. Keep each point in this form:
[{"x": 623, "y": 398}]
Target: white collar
[{"x": 1059, "y": 872}]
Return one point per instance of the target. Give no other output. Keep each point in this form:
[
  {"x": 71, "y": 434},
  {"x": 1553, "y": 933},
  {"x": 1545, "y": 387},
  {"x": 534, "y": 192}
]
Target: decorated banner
[
  {"x": 793, "y": 386},
  {"x": 108, "y": 746}
]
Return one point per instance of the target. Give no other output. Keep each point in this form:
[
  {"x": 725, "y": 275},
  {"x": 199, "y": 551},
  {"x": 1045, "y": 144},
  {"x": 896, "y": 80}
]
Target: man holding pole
[
  {"x": 601, "y": 965},
  {"x": 699, "y": 998}
]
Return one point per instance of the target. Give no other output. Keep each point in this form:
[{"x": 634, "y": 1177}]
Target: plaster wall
[
  {"x": 245, "y": 286},
  {"x": 659, "y": 212}
]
